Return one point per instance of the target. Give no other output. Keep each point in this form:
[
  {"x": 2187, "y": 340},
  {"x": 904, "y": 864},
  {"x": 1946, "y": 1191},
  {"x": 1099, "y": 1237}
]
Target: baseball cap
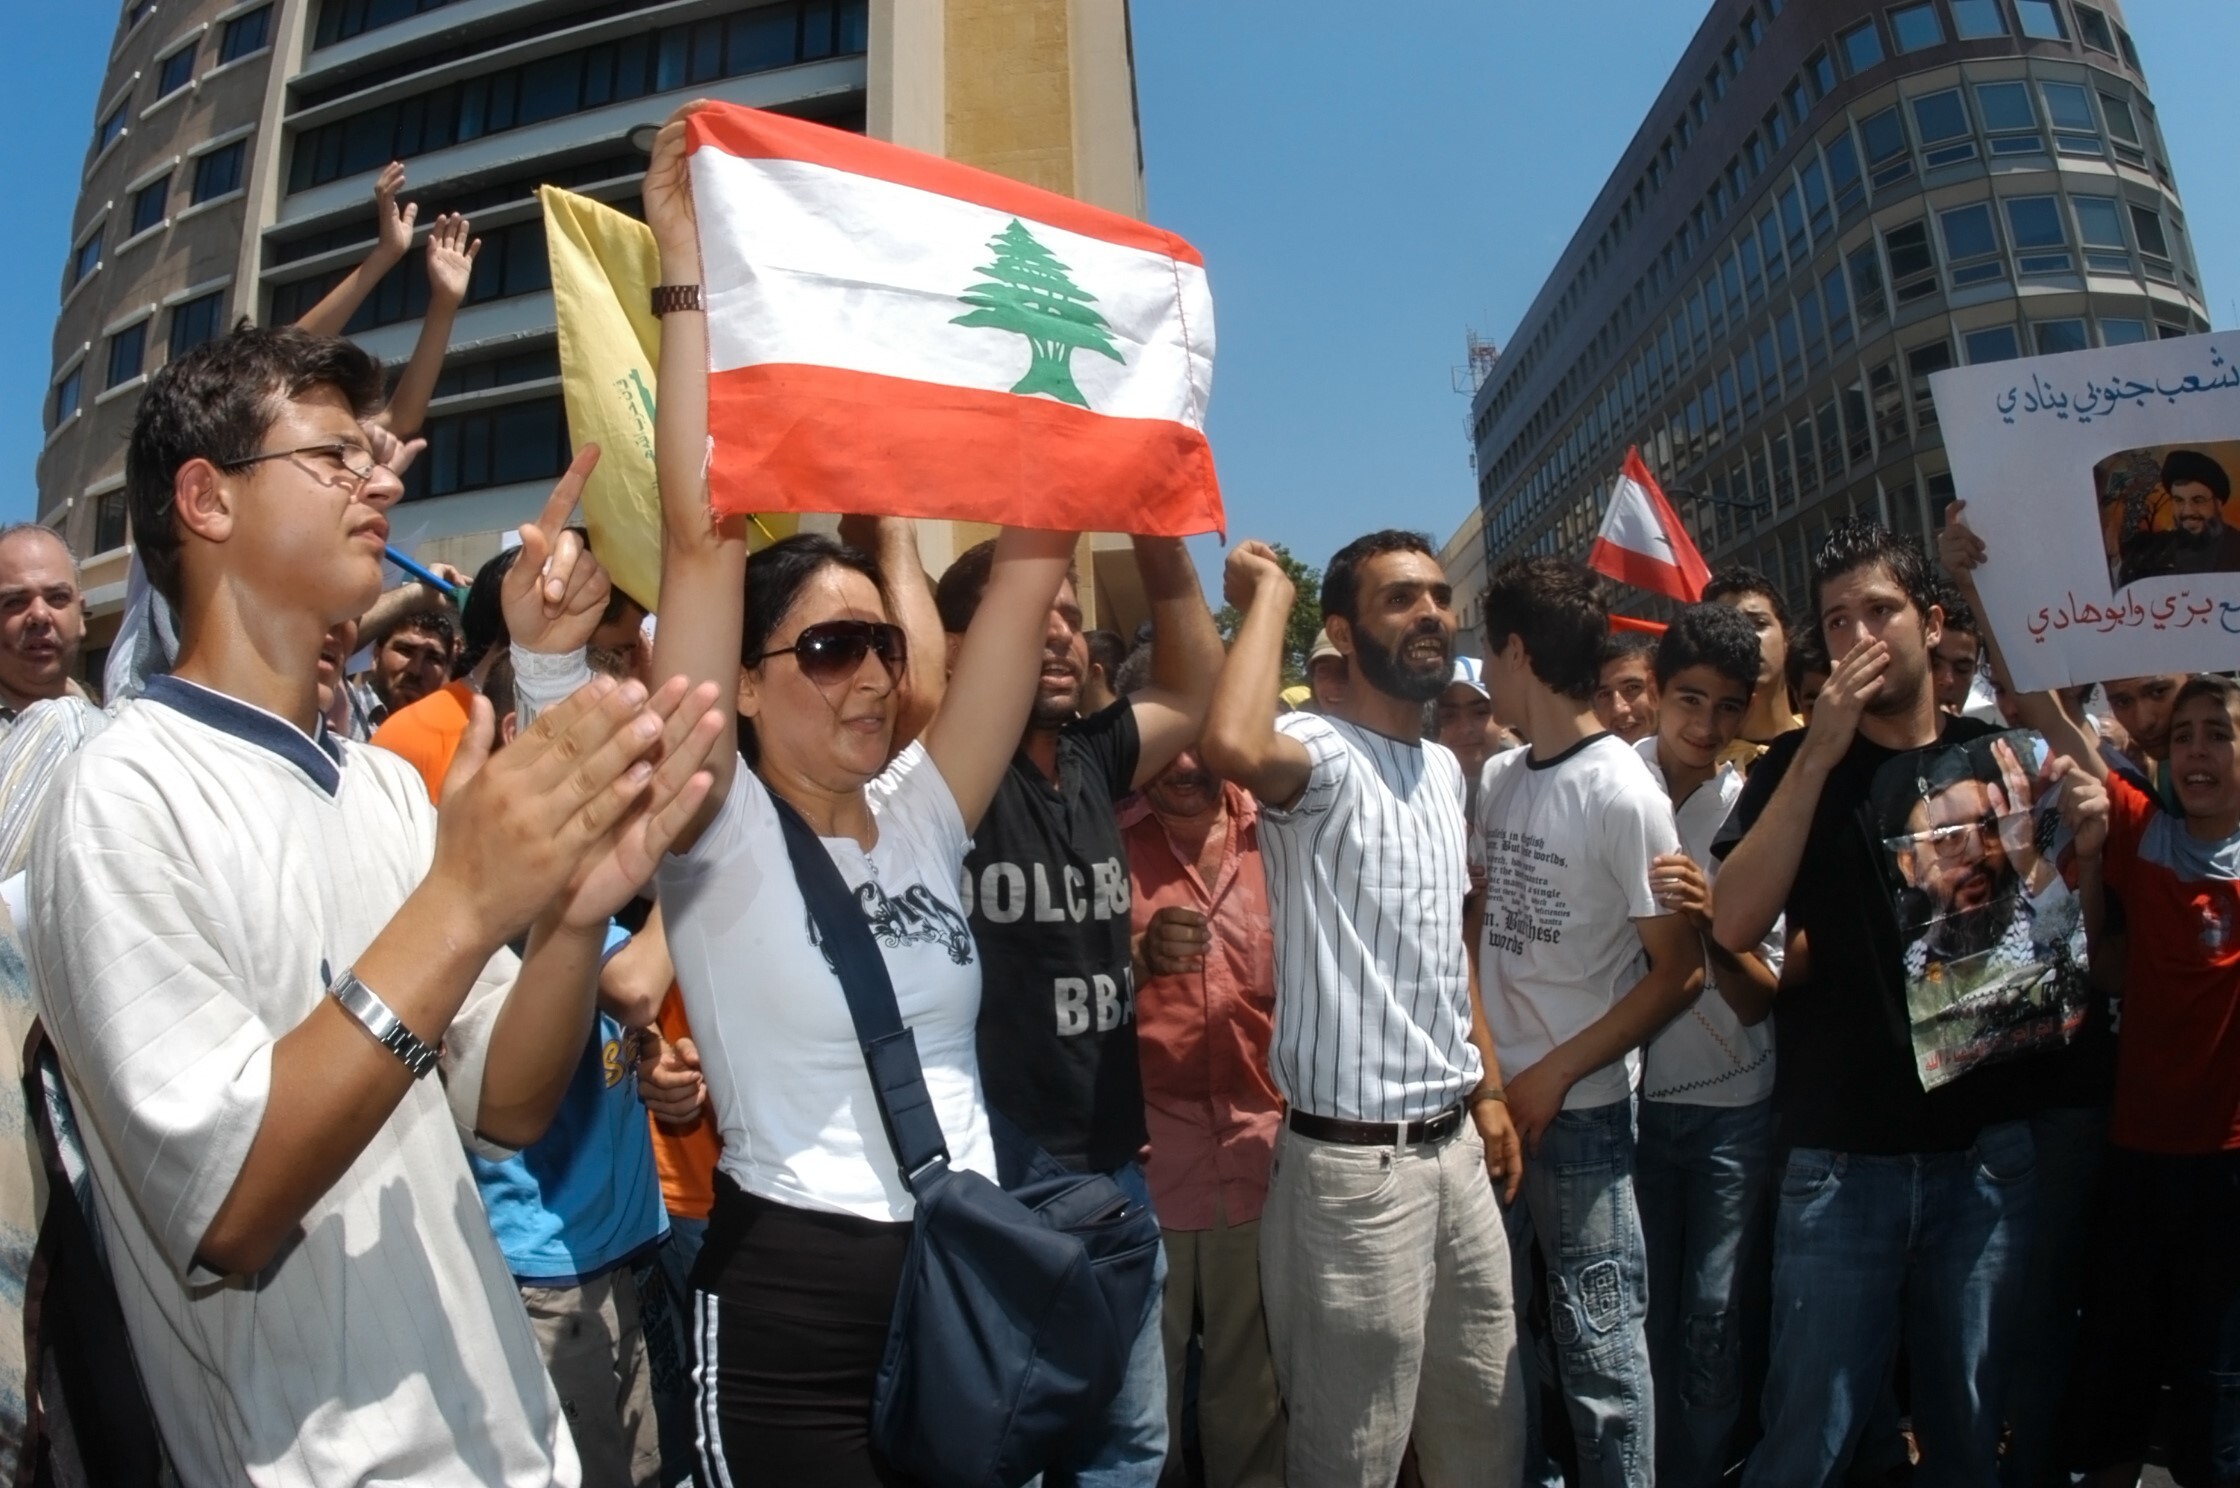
[
  {"x": 1323, "y": 649},
  {"x": 1470, "y": 672}
]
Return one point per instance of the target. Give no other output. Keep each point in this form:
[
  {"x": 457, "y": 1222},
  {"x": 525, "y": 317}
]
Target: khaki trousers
[
  {"x": 595, "y": 1350},
  {"x": 1386, "y": 1277},
  {"x": 1213, "y": 1287}
]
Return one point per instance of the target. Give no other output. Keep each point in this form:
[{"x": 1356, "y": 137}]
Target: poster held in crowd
[
  {"x": 2102, "y": 484},
  {"x": 896, "y": 334},
  {"x": 1993, "y": 937}
]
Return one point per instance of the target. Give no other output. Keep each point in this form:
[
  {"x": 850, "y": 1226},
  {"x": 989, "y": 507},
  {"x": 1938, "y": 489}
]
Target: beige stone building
[{"x": 235, "y": 146}]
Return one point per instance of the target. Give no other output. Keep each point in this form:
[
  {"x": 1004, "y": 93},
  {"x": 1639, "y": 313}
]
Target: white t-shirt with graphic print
[
  {"x": 786, "y": 1080},
  {"x": 1566, "y": 843}
]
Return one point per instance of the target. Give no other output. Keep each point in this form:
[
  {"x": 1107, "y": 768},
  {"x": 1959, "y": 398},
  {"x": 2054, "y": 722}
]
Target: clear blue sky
[{"x": 1365, "y": 182}]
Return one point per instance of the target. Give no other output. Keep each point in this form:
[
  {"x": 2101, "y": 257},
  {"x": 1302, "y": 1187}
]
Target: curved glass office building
[{"x": 1831, "y": 200}]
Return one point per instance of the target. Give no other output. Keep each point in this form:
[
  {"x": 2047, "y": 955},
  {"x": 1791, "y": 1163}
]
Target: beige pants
[
  {"x": 595, "y": 1351},
  {"x": 1386, "y": 1277},
  {"x": 1213, "y": 1283}
]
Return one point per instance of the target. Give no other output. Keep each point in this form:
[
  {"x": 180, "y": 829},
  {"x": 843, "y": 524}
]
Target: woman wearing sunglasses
[{"x": 797, "y": 1279}]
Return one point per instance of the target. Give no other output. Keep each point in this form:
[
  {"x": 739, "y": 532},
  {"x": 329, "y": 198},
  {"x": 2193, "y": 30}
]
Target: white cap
[{"x": 1469, "y": 672}]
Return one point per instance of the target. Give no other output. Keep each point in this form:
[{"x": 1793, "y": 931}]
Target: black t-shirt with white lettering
[
  {"x": 1844, "y": 1074},
  {"x": 1046, "y": 887}
]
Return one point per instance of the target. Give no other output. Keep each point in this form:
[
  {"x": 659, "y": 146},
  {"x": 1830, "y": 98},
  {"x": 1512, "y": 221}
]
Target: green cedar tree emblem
[{"x": 1027, "y": 293}]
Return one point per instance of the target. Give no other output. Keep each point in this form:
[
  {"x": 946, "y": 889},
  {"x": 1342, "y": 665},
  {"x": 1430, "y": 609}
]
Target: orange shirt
[
  {"x": 1209, "y": 1101},
  {"x": 428, "y": 732},
  {"x": 684, "y": 1155}
]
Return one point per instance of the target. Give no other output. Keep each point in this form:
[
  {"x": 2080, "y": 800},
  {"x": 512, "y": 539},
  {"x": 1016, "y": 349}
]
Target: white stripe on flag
[
  {"x": 812, "y": 265},
  {"x": 1632, "y": 524}
]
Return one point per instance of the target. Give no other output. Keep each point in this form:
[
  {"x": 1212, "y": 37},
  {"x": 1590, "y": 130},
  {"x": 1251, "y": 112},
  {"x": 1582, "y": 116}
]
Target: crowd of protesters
[{"x": 1515, "y": 1052}]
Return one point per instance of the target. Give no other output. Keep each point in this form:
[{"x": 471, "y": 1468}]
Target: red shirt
[
  {"x": 2178, "y": 1057},
  {"x": 1209, "y": 1102}
]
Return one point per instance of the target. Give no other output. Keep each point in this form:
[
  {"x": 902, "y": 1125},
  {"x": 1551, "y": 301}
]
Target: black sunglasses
[{"x": 832, "y": 649}]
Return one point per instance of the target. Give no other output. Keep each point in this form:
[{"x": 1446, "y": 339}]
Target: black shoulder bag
[{"x": 1018, "y": 1308}]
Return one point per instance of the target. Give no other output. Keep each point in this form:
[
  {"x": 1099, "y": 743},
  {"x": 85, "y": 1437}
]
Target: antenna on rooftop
[{"x": 1482, "y": 355}]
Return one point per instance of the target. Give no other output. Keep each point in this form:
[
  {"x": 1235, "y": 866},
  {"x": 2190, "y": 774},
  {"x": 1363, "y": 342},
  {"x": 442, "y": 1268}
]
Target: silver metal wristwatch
[{"x": 388, "y": 1030}]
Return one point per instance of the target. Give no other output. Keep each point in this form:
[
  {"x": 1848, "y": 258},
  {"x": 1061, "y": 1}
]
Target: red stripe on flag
[
  {"x": 797, "y": 438},
  {"x": 1639, "y": 570},
  {"x": 1635, "y": 622},
  {"x": 754, "y": 134}
]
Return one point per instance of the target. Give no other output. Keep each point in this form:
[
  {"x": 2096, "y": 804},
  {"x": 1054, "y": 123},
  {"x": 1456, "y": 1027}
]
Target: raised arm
[
  {"x": 893, "y": 542},
  {"x": 393, "y": 225},
  {"x": 1241, "y": 742},
  {"x": 703, "y": 557},
  {"x": 991, "y": 689},
  {"x": 1185, "y": 656},
  {"x": 1962, "y": 552},
  {"x": 451, "y": 256}
]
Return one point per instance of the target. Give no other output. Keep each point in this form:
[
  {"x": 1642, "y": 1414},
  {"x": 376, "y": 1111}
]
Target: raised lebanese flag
[
  {"x": 1642, "y": 542},
  {"x": 890, "y": 332}
]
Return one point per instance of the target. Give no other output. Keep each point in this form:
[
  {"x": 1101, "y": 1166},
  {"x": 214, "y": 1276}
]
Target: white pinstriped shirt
[{"x": 1366, "y": 877}]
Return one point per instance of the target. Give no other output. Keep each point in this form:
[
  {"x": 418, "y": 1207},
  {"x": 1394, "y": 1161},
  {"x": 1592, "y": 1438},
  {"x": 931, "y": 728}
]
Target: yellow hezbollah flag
[{"x": 604, "y": 266}]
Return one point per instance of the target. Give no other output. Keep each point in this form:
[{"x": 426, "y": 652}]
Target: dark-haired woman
[{"x": 797, "y": 1280}]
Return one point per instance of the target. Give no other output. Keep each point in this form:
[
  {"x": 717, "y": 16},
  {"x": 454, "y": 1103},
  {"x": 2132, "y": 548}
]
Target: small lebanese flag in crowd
[
  {"x": 1642, "y": 542},
  {"x": 896, "y": 334}
]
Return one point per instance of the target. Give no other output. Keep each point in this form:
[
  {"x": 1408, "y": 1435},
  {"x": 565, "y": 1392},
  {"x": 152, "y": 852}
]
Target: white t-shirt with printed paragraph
[
  {"x": 1566, "y": 843},
  {"x": 202, "y": 870},
  {"x": 1706, "y": 1056},
  {"x": 792, "y": 1099}
]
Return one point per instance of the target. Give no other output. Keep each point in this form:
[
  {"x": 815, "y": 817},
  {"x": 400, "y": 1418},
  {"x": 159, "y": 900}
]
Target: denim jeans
[
  {"x": 2071, "y": 1140},
  {"x": 1701, "y": 1173},
  {"x": 1933, "y": 1244},
  {"x": 1578, "y": 1199},
  {"x": 1132, "y": 1451}
]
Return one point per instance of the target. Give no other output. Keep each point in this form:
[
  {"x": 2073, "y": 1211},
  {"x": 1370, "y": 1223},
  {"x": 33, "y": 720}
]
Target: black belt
[{"x": 1377, "y": 1133}]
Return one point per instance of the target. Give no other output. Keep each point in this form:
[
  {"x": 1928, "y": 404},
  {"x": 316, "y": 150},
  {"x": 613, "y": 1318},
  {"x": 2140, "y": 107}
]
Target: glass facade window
[
  {"x": 1820, "y": 73},
  {"x": 1775, "y": 128},
  {"x": 2075, "y": 130},
  {"x": 2154, "y": 246},
  {"x": 196, "y": 321},
  {"x": 2122, "y": 332},
  {"x": 1769, "y": 244},
  {"x": 110, "y": 522},
  {"x": 1884, "y": 135},
  {"x": 2100, "y": 228},
  {"x": 2092, "y": 30},
  {"x": 1815, "y": 328},
  {"x": 1793, "y": 233},
  {"x": 2130, "y": 52},
  {"x": 2009, "y": 118},
  {"x": 128, "y": 353},
  {"x": 1815, "y": 185},
  {"x": 68, "y": 393},
  {"x": 177, "y": 72},
  {"x": 2059, "y": 335},
  {"x": 483, "y": 448},
  {"x": 1843, "y": 174},
  {"x": 219, "y": 172},
  {"x": 1861, "y": 46},
  {"x": 2123, "y": 130},
  {"x": 1993, "y": 344},
  {"x": 1795, "y": 100},
  {"x": 2040, "y": 242},
  {"x": 1831, "y": 443},
  {"x": 1769, "y": 368},
  {"x": 1941, "y": 120},
  {"x": 1975, "y": 19},
  {"x": 1920, "y": 361},
  {"x": 147, "y": 206},
  {"x": 1866, "y": 285},
  {"x": 245, "y": 34},
  {"x": 1792, "y": 347},
  {"x": 110, "y": 128},
  {"x": 1971, "y": 245},
  {"x": 86, "y": 258},
  {"x": 1915, "y": 27},
  {"x": 1839, "y": 308},
  {"x": 339, "y": 20},
  {"x": 2042, "y": 19},
  {"x": 1913, "y": 267},
  {"x": 657, "y": 61}
]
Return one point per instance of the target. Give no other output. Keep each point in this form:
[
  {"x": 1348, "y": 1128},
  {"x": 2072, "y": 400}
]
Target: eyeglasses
[
  {"x": 341, "y": 454},
  {"x": 1955, "y": 840},
  {"x": 832, "y": 649}
]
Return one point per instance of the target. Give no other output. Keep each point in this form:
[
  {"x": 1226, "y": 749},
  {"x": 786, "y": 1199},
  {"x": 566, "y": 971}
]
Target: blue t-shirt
[{"x": 585, "y": 1197}]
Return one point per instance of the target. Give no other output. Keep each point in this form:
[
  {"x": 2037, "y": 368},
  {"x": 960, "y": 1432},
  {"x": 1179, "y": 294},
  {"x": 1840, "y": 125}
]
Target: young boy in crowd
[
  {"x": 1625, "y": 692},
  {"x": 2162, "y": 1305},
  {"x": 1706, "y": 1122},
  {"x": 252, "y": 943},
  {"x": 1579, "y": 963},
  {"x": 1774, "y": 701}
]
